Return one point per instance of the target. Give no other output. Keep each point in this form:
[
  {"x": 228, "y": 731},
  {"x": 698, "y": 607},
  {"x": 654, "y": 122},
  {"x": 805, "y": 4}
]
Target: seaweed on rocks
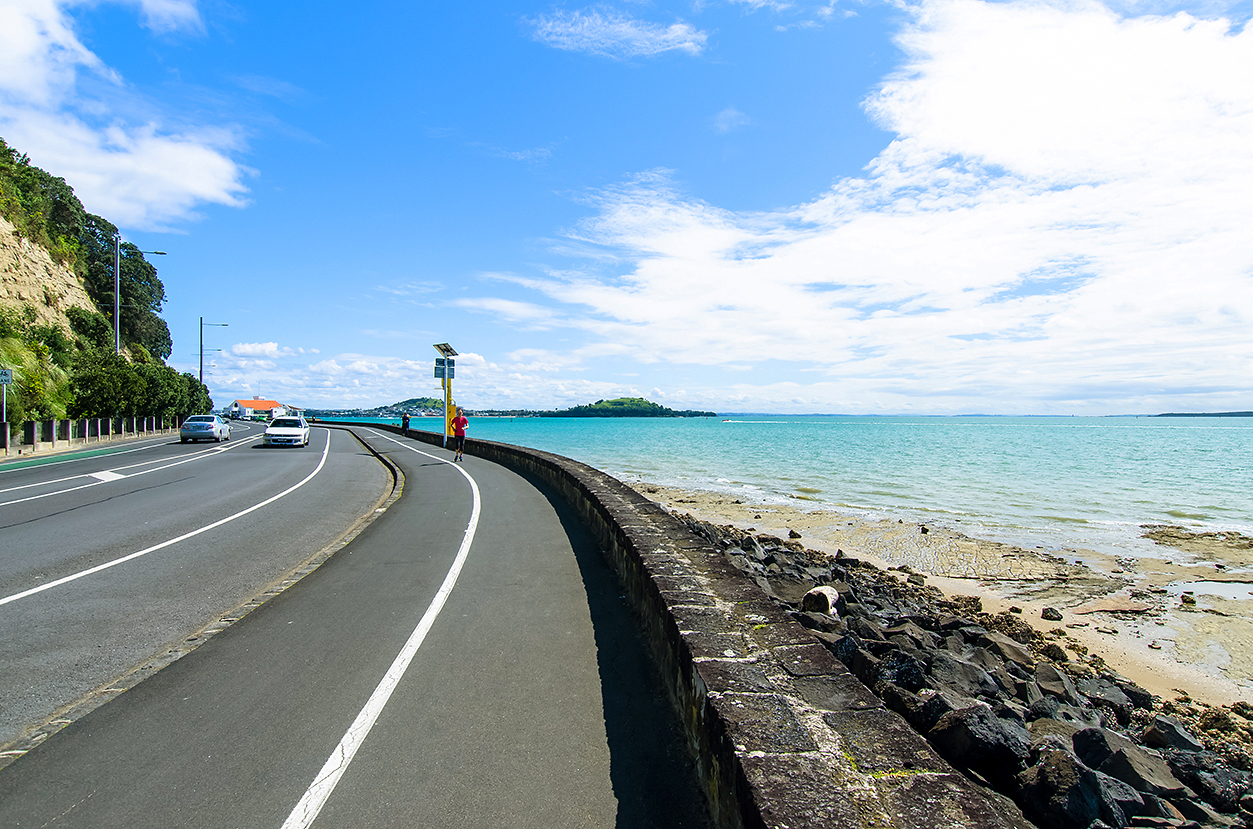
[{"x": 1074, "y": 743}]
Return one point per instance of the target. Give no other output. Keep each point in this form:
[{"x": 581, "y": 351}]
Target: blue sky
[{"x": 929, "y": 207}]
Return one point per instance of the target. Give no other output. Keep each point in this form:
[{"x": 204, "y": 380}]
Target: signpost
[
  {"x": 445, "y": 368},
  {"x": 6, "y": 377}
]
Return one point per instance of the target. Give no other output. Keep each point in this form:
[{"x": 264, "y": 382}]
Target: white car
[
  {"x": 204, "y": 427},
  {"x": 286, "y": 431}
]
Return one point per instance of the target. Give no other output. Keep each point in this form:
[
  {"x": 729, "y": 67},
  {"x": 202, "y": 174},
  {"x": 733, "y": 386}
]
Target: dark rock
[
  {"x": 868, "y": 629},
  {"x": 919, "y": 637},
  {"x": 1028, "y": 692},
  {"x": 1054, "y": 683},
  {"x": 1051, "y": 614},
  {"x": 901, "y": 700},
  {"x": 903, "y": 670},
  {"x": 1155, "y": 806},
  {"x": 1222, "y": 785},
  {"x": 1127, "y": 799},
  {"x": 1085, "y": 717},
  {"x": 1201, "y": 813},
  {"x": 964, "y": 677},
  {"x": 1045, "y": 727},
  {"x": 1145, "y": 772},
  {"x": 948, "y": 622},
  {"x": 1096, "y": 745},
  {"x": 984, "y": 658},
  {"x": 973, "y": 633},
  {"x": 937, "y": 703},
  {"x": 820, "y": 621},
  {"x": 1168, "y": 732},
  {"x": 975, "y": 738},
  {"x": 1104, "y": 693},
  {"x": 1061, "y": 792},
  {"x": 1043, "y": 708},
  {"x": 1139, "y": 697},
  {"x": 865, "y": 666},
  {"x": 824, "y": 599},
  {"x": 846, "y": 647}
]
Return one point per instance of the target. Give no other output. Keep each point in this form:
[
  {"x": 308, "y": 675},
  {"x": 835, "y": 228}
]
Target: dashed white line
[
  {"x": 115, "y": 562},
  {"x": 103, "y": 477},
  {"x": 320, "y": 790}
]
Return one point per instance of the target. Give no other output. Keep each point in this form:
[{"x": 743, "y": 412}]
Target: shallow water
[{"x": 1059, "y": 483}]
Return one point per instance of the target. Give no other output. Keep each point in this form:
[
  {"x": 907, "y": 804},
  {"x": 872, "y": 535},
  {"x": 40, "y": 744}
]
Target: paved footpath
[{"x": 528, "y": 701}]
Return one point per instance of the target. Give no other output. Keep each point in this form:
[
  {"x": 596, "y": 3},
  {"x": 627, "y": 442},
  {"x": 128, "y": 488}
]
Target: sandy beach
[{"x": 1132, "y": 612}]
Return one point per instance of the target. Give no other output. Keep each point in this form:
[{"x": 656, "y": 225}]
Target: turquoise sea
[{"x": 1059, "y": 483}]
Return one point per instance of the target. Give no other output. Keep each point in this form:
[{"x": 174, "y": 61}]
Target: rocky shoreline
[
  {"x": 1036, "y": 716},
  {"x": 1155, "y": 618}
]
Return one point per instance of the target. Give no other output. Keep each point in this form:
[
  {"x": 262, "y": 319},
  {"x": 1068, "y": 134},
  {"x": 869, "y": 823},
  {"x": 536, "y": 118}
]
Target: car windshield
[
  {"x": 200, "y": 419},
  {"x": 286, "y": 423}
]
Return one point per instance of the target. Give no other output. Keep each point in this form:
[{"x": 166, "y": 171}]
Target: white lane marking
[
  {"x": 107, "y": 476},
  {"x": 149, "y": 444},
  {"x": 320, "y": 790},
  {"x": 196, "y": 457},
  {"x": 115, "y": 562}
]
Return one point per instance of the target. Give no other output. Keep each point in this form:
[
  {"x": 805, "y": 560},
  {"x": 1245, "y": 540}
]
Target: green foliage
[
  {"x": 106, "y": 384},
  {"x": 92, "y": 328},
  {"x": 625, "y": 407}
]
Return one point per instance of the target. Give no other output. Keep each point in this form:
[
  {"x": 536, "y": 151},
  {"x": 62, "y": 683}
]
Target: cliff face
[{"x": 30, "y": 277}]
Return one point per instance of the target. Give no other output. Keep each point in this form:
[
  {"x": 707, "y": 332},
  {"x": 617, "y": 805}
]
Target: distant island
[
  {"x": 1206, "y": 414},
  {"x": 624, "y": 407},
  {"x": 418, "y": 406}
]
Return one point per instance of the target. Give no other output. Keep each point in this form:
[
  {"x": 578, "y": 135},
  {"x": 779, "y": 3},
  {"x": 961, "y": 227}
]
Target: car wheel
[{"x": 182, "y": 440}]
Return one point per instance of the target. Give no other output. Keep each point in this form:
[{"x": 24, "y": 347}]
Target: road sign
[{"x": 6, "y": 376}]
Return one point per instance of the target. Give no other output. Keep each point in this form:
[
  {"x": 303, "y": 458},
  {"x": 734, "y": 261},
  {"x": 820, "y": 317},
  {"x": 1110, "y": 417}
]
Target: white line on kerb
[
  {"x": 82, "y": 573},
  {"x": 316, "y": 796}
]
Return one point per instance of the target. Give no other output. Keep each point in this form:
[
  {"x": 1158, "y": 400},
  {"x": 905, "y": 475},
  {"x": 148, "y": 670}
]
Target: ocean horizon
[{"x": 1056, "y": 483}]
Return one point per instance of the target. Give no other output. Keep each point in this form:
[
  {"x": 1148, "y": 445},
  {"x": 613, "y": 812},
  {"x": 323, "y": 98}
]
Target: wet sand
[{"x": 1130, "y": 611}]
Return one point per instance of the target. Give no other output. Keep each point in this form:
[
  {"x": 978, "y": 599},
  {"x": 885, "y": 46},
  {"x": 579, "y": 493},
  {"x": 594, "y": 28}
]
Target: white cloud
[
  {"x": 170, "y": 15},
  {"x": 613, "y": 34},
  {"x": 730, "y": 120},
  {"x": 270, "y": 350},
  {"x": 1059, "y": 225},
  {"x": 139, "y": 175}
]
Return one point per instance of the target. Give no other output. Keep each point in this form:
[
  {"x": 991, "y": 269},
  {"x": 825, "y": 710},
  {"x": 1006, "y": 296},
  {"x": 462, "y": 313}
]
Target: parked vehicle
[
  {"x": 286, "y": 431},
  {"x": 204, "y": 427}
]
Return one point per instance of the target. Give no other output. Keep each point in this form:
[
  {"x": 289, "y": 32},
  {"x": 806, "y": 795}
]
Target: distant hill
[
  {"x": 625, "y": 407},
  {"x": 1206, "y": 414}
]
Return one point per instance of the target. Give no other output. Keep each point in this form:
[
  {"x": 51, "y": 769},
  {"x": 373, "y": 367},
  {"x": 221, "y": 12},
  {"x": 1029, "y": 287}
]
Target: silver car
[{"x": 204, "y": 427}]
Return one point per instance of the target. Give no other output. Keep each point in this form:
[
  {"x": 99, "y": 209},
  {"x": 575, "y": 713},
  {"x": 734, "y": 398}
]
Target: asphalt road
[
  {"x": 66, "y": 514},
  {"x": 465, "y": 661}
]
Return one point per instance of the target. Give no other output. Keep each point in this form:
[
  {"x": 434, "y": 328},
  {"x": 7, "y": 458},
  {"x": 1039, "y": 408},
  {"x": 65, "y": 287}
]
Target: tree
[
  {"x": 142, "y": 293},
  {"x": 92, "y": 327},
  {"x": 104, "y": 384}
]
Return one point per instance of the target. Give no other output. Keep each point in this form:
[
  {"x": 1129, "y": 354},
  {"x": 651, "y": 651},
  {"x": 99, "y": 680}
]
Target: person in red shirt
[{"x": 459, "y": 424}]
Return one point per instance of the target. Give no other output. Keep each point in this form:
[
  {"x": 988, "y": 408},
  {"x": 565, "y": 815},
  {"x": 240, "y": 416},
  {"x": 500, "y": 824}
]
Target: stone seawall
[{"x": 782, "y": 733}]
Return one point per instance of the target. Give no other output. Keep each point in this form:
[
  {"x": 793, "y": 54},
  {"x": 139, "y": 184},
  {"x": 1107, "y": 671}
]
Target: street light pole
[
  {"x": 202, "y": 325},
  {"x": 117, "y": 290}
]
